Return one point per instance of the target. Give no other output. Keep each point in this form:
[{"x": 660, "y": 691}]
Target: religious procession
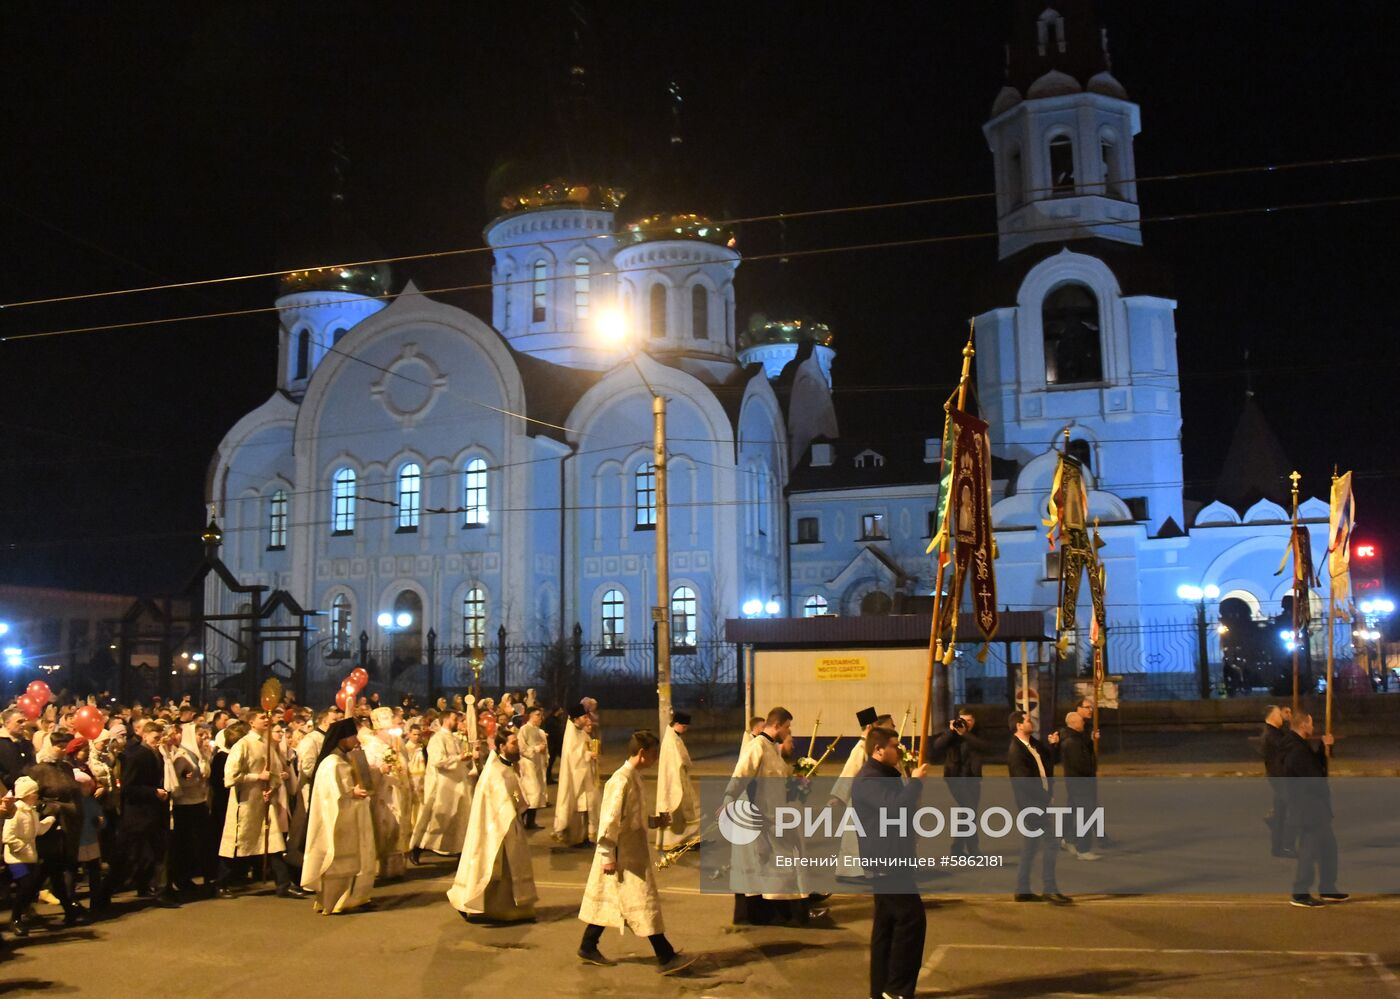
[{"x": 184, "y": 803}]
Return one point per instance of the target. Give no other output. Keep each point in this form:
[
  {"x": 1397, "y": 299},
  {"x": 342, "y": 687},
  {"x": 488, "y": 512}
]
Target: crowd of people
[{"x": 181, "y": 802}]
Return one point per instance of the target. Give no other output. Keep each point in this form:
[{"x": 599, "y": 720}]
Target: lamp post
[
  {"x": 1198, "y": 595},
  {"x": 1373, "y": 613},
  {"x": 614, "y": 328}
]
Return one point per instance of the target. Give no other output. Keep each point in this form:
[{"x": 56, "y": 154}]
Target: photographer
[{"x": 963, "y": 751}]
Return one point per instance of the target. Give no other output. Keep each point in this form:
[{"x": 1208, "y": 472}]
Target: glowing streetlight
[
  {"x": 4, "y": 628},
  {"x": 1198, "y": 595},
  {"x": 404, "y": 619},
  {"x": 385, "y": 620},
  {"x": 613, "y": 329},
  {"x": 772, "y": 607},
  {"x": 752, "y": 608}
]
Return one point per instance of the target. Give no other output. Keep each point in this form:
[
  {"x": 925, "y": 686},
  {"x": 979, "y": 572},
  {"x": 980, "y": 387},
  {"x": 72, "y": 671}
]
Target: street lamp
[
  {"x": 753, "y": 608},
  {"x": 614, "y": 329},
  {"x": 1198, "y": 595},
  {"x": 4, "y": 628},
  {"x": 1373, "y": 611},
  {"x": 773, "y": 606}
]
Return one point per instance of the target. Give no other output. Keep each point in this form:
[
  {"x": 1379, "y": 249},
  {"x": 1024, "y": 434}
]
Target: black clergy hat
[
  {"x": 680, "y": 717},
  {"x": 865, "y": 717},
  {"x": 577, "y": 711}
]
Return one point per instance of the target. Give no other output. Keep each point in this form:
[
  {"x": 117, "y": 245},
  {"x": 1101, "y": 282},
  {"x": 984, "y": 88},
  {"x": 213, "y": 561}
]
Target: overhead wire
[{"x": 787, "y": 216}]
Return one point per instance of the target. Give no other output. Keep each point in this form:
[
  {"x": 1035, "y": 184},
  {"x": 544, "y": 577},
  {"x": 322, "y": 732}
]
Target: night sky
[{"x": 147, "y": 143}]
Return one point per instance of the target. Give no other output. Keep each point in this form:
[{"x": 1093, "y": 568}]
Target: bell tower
[
  {"x": 1061, "y": 132},
  {"x": 1089, "y": 343}
]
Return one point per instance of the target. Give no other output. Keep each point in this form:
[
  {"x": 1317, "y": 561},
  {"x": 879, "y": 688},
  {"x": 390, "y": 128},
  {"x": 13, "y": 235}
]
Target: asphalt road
[{"x": 979, "y": 947}]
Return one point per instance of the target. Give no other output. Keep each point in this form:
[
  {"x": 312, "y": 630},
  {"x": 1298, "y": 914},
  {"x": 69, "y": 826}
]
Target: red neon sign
[{"x": 1365, "y": 551}]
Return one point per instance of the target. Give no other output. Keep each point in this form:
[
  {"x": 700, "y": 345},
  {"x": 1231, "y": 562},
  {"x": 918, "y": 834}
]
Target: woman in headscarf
[{"x": 340, "y": 858}]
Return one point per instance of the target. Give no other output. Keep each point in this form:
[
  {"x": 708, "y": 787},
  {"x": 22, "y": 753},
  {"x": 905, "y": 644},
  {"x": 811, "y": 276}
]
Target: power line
[
  {"x": 1058, "y": 227},
  {"x": 737, "y": 220}
]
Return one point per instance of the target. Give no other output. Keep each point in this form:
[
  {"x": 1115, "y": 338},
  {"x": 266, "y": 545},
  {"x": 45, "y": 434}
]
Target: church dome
[
  {"x": 763, "y": 330},
  {"x": 669, "y": 207},
  {"x": 526, "y": 185},
  {"x": 329, "y": 253}
]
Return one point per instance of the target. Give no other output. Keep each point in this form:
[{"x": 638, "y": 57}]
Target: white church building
[{"x": 426, "y": 467}]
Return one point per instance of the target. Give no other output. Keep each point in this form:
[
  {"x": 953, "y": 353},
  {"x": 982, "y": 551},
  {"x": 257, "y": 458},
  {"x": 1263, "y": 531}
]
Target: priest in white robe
[
  {"x": 255, "y": 821},
  {"x": 675, "y": 790},
  {"x": 534, "y": 764},
  {"x": 389, "y": 803},
  {"x": 340, "y": 858},
  {"x": 577, "y": 798},
  {"x": 621, "y": 890},
  {"x": 442, "y": 821},
  {"x": 495, "y": 878}
]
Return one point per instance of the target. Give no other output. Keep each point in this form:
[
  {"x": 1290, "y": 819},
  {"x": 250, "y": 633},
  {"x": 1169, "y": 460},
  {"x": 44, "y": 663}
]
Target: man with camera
[{"x": 963, "y": 751}]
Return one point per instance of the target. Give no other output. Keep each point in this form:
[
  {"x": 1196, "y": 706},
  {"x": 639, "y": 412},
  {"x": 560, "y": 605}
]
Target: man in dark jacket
[
  {"x": 963, "y": 750},
  {"x": 16, "y": 751},
  {"x": 1031, "y": 765},
  {"x": 1081, "y": 768},
  {"x": 1310, "y": 812},
  {"x": 897, "y": 936},
  {"x": 145, "y": 817},
  {"x": 1278, "y": 739}
]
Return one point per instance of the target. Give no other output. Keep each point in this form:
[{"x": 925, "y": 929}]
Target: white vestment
[
  {"x": 752, "y": 867},
  {"x": 851, "y": 867},
  {"x": 247, "y": 829},
  {"x": 675, "y": 791},
  {"x": 339, "y": 860},
  {"x": 308, "y": 752},
  {"x": 629, "y": 896},
  {"x": 442, "y": 821},
  {"x": 534, "y": 762},
  {"x": 577, "y": 797},
  {"x": 389, "y": 802},
  {"x": 495, "y": 877}
]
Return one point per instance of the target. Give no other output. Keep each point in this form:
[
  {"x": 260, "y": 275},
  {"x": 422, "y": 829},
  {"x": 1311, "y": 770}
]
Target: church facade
[{"x": 421, "y": 467}]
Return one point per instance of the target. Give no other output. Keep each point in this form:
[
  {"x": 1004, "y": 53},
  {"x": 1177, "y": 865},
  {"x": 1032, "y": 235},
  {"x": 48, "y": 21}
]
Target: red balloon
[
  {"x": 340, "y": 699},
  {"x": 39, "y": 690},
  {"x": 87, "y": 722},
  {"x": 29, "y": 707},
  {"x": 288, "y": 715},
  {"x": 361, "y": 677}
]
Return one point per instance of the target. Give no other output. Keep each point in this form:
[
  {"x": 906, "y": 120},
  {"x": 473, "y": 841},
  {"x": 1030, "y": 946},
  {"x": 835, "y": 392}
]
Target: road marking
[
  {"x": 1384, "y": 973},
  {"x": 930, "y": 965},
  {"x": 1215, "y": 951}
]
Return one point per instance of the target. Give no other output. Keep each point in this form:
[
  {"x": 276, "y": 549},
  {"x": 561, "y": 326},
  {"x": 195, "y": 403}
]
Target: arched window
[
  {"x": 1062, "y": 165},
  {"x": 814, "y": 605},
  {"x": 410, "y": 496},
  {"x": 614, "y": 620},
  {"x": 582, "y": 285},
  {"x": 507, "y": 293},
  {"x": 474, "y": 618},
  {"x": 474, "y": 494},
  {"x": 1112, "y": 175},
  {"x": 406, "y": 640},
  {"x": 303, "y": 365},
  {"x": 1015, "y": 181},
  {"x": 277, "y": 521},
  {"x": 341, "y": 620},
  {"x": 700, "y": 312},
  {"x": 685, "y": 616},
  {"x": 645, "y": 494},
  {"x": 338, "y": 335},
  {"x": 658, "y": 310},
  {"x": 539, "y": 291},
  {"x": 1080, "y": 451},
  {"x": 343, "y": 501},
  {"x": 1073, "y": 352}
]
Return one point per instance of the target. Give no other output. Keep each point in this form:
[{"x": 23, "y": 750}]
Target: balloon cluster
[
  {"x": 34, "y": 698},
  {"x": 350, "y": 689}
]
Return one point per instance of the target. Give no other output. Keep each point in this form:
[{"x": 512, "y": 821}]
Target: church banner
[
  {"x": 1341, "y": 518},
  {"x": 971, "y": 519}
]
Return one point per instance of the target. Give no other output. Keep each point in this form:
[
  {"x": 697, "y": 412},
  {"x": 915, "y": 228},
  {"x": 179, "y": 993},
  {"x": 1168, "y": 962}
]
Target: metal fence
[{"x": 622, "y": 675}]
